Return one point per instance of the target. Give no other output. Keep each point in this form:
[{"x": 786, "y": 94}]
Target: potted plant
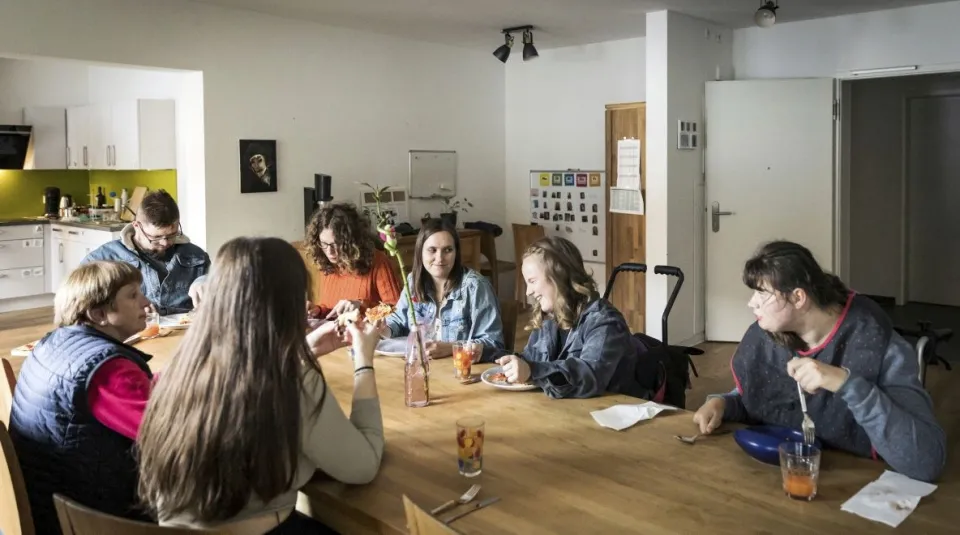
[
  {"x": 451, "y": 206},
  {"x": 426, "y": 217}
]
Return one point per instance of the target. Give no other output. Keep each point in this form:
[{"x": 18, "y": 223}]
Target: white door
[
  {"x": 124, "y": 144},
  {"x": 770, "y": 164},
  {"x": 933, "y": 222}
]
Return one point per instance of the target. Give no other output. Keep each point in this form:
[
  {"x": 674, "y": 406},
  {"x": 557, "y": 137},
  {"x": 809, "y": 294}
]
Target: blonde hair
[
  {"x": 91, "y": 286},
  {"x": 563, "y": 267}
]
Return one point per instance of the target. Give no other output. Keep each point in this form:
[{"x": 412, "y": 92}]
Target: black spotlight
[
  {"x": 503, "y": 51},
  {"x": 529, "y": 51}
]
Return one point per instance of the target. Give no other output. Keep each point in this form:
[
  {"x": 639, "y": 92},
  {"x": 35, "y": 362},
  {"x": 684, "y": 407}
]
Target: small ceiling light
[
  {"x": 503, "y": 51},
  {"x": 766, "y": 16},
  {"x": 529, "y": 51}
]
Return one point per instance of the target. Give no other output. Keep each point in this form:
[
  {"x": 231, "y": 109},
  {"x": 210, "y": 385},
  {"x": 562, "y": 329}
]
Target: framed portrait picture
[{"x": 258, "y": 165}]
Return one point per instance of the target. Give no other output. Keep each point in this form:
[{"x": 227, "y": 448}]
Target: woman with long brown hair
[
  {"x": 243, "y": 418},
  {"x": 860, "y": 377},
  {"x": 453, "y": 301},
  {"x": 353, "y": 273},
  {"x": 580, "y": 346}
]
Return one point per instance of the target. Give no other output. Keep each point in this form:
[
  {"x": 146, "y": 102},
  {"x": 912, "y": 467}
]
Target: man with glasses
[{"x": 173, "y": 268}]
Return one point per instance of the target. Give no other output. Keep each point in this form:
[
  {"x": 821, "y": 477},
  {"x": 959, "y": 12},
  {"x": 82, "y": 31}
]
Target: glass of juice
[
  {"x": 800, "y": 467},
  {"x": 462, "y": 360},
  {"x": 470, "y": 437},
  {"x": 153, "y": 325}
]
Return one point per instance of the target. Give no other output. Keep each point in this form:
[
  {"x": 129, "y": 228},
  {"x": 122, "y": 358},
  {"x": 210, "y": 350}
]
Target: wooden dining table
[{"x": 556, "y": 470}]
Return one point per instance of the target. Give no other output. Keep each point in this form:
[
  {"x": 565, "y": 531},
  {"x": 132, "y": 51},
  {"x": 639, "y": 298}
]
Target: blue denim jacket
[
  {"x": 472, "y": 304},
  {"x": 186, "y": 265}
]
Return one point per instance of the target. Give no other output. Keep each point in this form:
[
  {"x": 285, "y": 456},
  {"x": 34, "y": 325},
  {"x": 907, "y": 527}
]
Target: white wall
[
  {"x": 683, "y": 53},
  {"x": 555, "y": 117},
  {"x": 877, "y": 139},
  {"x": 40, "y": 83},
  {"x": 923, "y": 35},
  {"x": 338, "y": 101}
]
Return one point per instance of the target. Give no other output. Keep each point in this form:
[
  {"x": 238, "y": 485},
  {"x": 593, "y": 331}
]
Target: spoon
[
  {"x": 693, "y": 438},
  {"x": 466, "y": 498}
]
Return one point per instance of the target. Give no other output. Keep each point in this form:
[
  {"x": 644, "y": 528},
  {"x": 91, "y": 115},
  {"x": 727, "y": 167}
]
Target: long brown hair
[
  {"x": 223, "y": 423},
  {"x": 422, "y": 280},
  {"x": 563, "y": 267},
  {"x": 786, "y": 266},
  {"x": 351, "y": 231}
]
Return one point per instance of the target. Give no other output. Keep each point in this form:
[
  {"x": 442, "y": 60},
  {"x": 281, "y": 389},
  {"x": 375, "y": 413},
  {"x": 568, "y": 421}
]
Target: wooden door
[{"x": 625, "y": 233}]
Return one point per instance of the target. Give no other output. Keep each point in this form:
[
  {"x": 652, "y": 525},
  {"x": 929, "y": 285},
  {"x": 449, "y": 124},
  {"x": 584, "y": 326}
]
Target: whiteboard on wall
[
  {"x": 572, "y": 204},
  {"x": 433, "y": 173}
]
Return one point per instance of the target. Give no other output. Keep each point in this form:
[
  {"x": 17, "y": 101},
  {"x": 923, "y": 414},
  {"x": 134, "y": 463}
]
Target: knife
[{"x": 472, "y": 508}]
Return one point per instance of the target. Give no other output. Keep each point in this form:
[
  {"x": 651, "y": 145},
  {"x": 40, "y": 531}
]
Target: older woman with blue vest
[{"x": 81, "y": 395}]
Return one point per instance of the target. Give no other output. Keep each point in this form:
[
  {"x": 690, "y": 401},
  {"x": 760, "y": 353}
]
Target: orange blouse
[{"x": 379, "y": 285}]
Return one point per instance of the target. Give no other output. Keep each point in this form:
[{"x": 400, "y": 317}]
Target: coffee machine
[
  {"x": 315, "y": 197},
  {"x": 51, "y": 202}
]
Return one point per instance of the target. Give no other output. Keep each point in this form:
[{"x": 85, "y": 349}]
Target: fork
[
  {"x": 466, "y": 498},
  {"x": 809, "y": 431}
]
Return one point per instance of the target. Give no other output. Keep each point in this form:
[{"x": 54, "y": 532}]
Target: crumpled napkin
[
  {"x": 620, "y": 417},
  {"x": 890, "y": 499}
]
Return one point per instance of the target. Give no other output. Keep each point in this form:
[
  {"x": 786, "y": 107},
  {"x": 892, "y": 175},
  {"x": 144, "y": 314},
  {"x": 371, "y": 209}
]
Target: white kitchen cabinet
[
  {"x": 69, "y": 246},
  {"x": 21, "y": 261},
  {"x": 49, "y": 137},
  {"x": 78, "y": 137}
]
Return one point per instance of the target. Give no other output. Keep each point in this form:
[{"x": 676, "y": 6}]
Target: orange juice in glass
[
  {"x": 462, "y": 359},
  {"x": 470, "y": 437},
  {"x": 800, "y": 467},
  {"x": 153, "y": 326}
]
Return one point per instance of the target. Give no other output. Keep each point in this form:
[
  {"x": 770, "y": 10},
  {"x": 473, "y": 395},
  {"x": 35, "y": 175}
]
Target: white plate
[
  {"x": 173, "y": 321},
  {"x": 485, "y": 377},
  {"x": 392, "y": 347}
]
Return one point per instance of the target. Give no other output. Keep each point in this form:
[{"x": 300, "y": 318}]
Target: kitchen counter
[{"x": 110, "y": 226}]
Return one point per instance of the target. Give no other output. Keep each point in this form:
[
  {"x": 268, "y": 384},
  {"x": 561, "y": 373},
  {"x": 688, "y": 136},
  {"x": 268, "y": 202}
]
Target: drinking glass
[
  {"x": 153, "y": 325},
  {"x": 462, "y": 360},
  {"x": 470, "y": 437},
  {"x": 800, "y": 467}
]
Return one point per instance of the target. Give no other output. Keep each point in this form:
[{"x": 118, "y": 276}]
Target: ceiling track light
[
  {"x": 766, "y": 16},
  {"x": 529, "y": 51}
]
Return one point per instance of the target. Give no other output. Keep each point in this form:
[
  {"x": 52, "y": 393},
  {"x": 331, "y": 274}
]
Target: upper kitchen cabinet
[
  {"x": 128, "y": 135},
  {"x": 49, "y": 138}
]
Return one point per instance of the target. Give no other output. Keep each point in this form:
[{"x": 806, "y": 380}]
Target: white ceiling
[{"x": 477, "y": 23}]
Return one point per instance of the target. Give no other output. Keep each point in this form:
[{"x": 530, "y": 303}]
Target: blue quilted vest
[{"x": 62, "y": 447}]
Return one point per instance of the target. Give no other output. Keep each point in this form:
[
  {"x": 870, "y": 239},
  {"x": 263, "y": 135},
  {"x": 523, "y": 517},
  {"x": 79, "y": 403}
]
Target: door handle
[
  {"x": 715, "y": 214},
  {"x": 60, "y": 251},
  {"x": 85, "y": 156}
]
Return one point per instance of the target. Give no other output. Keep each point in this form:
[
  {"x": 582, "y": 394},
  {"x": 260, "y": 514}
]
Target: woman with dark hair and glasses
[
  {"x": 860, "y": 377},
  {"x": 353, "y": 273},
  {"x": 173, "y": 269},
  {"x": 453, "y": 301}
]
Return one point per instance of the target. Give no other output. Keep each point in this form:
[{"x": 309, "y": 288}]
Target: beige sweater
[{"x": 348, "y": 450}]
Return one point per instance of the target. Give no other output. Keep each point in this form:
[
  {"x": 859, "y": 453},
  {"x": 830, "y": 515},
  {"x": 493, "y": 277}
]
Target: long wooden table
[{"x": 558, "y": 471}]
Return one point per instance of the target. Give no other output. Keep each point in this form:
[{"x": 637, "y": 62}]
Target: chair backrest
[
  {"x": 76, "y": 519},
  {"x": 7, "y": 383},
  {"x": 488, "y": 248},
  {"x": 523, "y": 237},
  {"x": 509, "y": 310},
  {"x": 420, "y": 522},
  {"x": 15, "y": 517}
]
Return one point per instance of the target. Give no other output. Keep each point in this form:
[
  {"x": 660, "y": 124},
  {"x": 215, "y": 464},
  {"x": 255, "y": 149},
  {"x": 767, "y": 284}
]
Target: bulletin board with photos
[{"x": 572, "y": 204}]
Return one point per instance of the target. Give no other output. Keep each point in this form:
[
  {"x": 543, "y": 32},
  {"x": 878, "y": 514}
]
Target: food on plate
[
  {"x": 186, "y": 319},
  {"x": 378, "y": 313},
  {"x": 348, "y": 317},
  {"x": 150, "y": 331},
  {"x": 500, "y": 378},
  {"x": 25, "y": 348}
]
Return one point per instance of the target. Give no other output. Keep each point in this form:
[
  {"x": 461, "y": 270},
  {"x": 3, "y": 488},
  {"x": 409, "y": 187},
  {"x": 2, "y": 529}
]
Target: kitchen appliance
[
  {"x": 51, "y": 202},
  {"x": 317, "y": 196},
  {"x": 16, "y": 146}
]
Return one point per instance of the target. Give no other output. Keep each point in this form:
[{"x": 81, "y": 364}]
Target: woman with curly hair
[
  {"x": 353, "y": 273},
  {"x": 580, "y": 346}
]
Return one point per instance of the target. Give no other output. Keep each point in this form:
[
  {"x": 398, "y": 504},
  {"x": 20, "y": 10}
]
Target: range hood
[{"x": 16, "y": 146}]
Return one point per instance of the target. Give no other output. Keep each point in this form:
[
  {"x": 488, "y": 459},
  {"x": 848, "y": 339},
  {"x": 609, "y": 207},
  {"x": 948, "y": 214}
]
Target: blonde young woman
[
  {"x": 243, "y": 418},
  {"x": 580, "y": 345},
  {"x": 80, "y": 394}
]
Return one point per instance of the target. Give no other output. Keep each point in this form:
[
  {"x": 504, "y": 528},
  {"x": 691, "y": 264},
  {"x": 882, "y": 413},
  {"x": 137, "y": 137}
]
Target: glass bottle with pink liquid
[{"x": 416, "y": 371}]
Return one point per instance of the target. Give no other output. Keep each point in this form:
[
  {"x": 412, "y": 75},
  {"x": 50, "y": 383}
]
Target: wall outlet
[{"x": 688, "y": 135}]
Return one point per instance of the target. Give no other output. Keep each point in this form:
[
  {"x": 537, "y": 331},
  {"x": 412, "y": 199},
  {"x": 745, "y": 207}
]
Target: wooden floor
[{"x": 18, "y": 328}]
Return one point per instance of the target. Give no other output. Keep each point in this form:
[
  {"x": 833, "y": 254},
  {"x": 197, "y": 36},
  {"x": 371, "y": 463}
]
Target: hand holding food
[{"x": 515, "y": 369}]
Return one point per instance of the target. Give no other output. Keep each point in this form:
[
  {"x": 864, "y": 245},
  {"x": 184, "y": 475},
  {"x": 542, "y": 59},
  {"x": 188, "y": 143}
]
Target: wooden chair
[
  {"x": 7, "y": 383},
  {"x": 420, "y": 522},
  {"x": 523, "y": 237},
  {"x": 509, "y": 310},
  {"x": 15, "y": 517},
  {"x": 76, "y": 519}
]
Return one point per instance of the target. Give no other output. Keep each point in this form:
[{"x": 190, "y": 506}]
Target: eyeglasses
[
  {"x": 327, "y": 246},
  {"x": 154, "y": 240}
]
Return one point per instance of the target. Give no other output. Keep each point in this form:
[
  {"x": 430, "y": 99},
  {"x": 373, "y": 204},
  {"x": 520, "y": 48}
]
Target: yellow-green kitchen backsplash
[{"x": 21, "y": 192}]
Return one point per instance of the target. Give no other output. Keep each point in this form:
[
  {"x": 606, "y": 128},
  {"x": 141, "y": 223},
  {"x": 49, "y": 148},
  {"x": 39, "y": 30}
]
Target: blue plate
[{"x": 762, "y": 441}]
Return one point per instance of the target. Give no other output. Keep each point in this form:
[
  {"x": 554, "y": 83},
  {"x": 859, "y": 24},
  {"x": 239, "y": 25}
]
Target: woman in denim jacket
[{"x": 451, "y": 300}]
